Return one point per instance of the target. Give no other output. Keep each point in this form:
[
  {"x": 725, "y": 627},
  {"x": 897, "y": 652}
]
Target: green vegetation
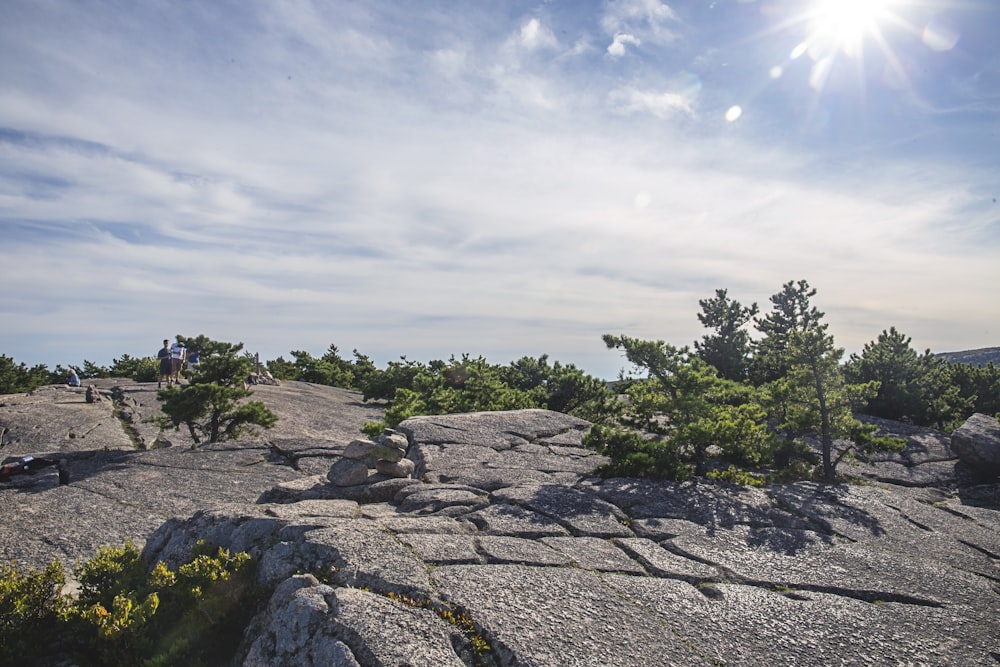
[
  {"x": 739, "y": 409},
  {"x": 688, "y": 408},
  {"x": 922, "y": 389},
  {"x": 127, "y": 613},
  {"x": 210, "y": 405},
  {"x": 470, "y": 385},
  {"x": 777, "y": 405}
]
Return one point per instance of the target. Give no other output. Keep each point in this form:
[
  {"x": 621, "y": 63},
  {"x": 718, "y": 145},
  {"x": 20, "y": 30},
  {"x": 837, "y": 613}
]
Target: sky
[{"x": 504, "y": 179}]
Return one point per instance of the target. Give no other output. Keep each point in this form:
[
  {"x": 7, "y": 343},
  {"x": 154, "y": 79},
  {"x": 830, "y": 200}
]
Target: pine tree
[
  {"x": 728, "y": 350},
  {"x": 810, "y": 396},
  {"x": 211, "y": 405}
]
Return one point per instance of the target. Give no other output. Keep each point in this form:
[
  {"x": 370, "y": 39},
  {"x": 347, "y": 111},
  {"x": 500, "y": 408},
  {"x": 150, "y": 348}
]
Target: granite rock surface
[{"x": 505, "y": 549}]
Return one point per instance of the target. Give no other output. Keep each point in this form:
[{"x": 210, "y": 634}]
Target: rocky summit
[{"x": 502, "y": 547}]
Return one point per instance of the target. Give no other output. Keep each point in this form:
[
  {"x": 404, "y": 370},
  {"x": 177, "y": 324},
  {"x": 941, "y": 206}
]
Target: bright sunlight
[{"x": 843, "y": 25}]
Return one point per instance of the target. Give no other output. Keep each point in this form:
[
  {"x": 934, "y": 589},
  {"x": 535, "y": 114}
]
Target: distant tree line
[{"x": 775, "y": 404}]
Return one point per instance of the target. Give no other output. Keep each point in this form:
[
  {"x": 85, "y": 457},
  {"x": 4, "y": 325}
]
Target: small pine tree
[
  {"x": 728, "y": 349},
  {"x": 810, "y": 395},
  {"x": 211, "y": 405}
]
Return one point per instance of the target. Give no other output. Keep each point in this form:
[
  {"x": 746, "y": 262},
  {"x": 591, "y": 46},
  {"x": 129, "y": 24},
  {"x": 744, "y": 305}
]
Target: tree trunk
[{"x": 826, "y": 439}]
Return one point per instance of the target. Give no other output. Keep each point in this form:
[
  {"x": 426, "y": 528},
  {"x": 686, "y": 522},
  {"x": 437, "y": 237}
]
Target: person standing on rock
[
  {"x": 178, "y": 353},
  {"x": 166, "y": 365}
]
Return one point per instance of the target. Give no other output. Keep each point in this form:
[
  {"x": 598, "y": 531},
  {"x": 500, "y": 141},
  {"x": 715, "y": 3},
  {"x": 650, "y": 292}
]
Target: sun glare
[{"x": 843, "y": 25}]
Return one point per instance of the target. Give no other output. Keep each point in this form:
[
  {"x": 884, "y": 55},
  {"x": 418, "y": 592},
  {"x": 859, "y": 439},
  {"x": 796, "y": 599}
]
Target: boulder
[
  {"x": 394, "y": 439},
  {"x": 401, "y": 468},
  {"x": 977, "y": 443},
  {"x": 360, "y": 450},
  {"x": 348, "y": 472},
  {"x": 371, "y": 452}
]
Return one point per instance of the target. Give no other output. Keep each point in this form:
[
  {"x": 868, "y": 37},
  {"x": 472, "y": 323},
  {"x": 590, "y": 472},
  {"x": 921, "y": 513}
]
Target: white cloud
[
  {"x": 617, "y": 46},
  {"x": 648, "y": 18},
  {"x": 660, "y": 104},
  {"x": 536, "y": 36},
  {"x": 420, "y": 190}
]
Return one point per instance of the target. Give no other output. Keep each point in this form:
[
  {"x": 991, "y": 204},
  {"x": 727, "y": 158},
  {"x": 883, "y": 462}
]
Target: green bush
[
  {"x": 633, "y": 455},
  {"x": 211, "y": 405},
  {"x": 31, "y": 604},
  {"x": 128, "y": 614}
]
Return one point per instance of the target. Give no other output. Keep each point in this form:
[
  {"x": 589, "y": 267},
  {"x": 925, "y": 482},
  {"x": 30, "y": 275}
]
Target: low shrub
[{"x": 127, "y": 613}]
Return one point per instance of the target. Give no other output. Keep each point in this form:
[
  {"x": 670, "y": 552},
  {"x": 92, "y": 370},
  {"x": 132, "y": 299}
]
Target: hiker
[
  {"x": 73, "y": 380},
  {"x": 251, "y": 380},
  {"x": 178, "y": 353},
  {"x": 166, "y": 366}
]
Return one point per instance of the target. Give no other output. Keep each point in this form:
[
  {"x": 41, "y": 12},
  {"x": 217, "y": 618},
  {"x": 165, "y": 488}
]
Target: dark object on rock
[
  {"x": 977, "y": 443},
  {"x": 93, "y": 396},
  {"x": 24, "y": 465}
]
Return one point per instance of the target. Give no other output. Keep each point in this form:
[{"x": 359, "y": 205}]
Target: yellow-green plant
[
  {"x": 30, "y": 604},
  {"x": 127, "y": 613}
]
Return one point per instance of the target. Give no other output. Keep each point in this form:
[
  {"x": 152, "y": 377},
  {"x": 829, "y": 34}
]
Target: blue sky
[{"x": 505, "y": 179}]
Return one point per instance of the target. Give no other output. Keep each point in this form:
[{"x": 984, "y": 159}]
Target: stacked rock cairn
[{"x": 385, "y": 454}]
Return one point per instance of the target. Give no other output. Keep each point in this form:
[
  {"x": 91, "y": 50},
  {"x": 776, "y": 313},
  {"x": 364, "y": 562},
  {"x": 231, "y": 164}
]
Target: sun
[{"x": 844, "y": 25}]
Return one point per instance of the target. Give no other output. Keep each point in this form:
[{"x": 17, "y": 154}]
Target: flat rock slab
[
  {"x": 660, "y": 562},
  {"x": 497, "y": 430},
  {"x": 581, "y": 513},
  {"x": 591, "y": 553},
  {"x": 515, "y": 521},
  {"x": 747, "y": 625},
  {"x": 501, "y": 549},
  {"x": 560, "y": 616},
  {"x": 382, "y": 631},
  {"x": 448, "y": 549},
  {"x": 543, "y": 564},
  {"x": 58, "y": 420},
  {"x": 119, "y": 491}
]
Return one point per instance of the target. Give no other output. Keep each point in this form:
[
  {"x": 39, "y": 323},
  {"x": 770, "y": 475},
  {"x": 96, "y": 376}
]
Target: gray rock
[
  {"x": 394, "y": 439},
  {"x": 515, "y": 521},
  {"x": 360, "y": 450},
  {"x": 348, "y": 472},
  {"x": 497, "y": 430},
  {"x": 447, "y": 549},
  {"x": 663, "y": 563},
  {"x": 450, "y": 501},
  {"x": 500, "y": 549},
  {"x": 297, "y": 629},
  {"x": 382, "y": 631},
  {"x": 386, "y": 490},
  {"x": 561, "y": 616},
  {"x": 581, "y": 513},
  {"x": 402, "y": 468},
  {"x": 591, "y": 553},
  {"x": 436, "y": 525},
  {"x": 977, "y": 443},
  {"x": 371, "y": 452},
  {"x": 506, "y": 546}
]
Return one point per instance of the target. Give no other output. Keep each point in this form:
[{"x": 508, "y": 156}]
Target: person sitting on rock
[{"x": 73, "y": 380}]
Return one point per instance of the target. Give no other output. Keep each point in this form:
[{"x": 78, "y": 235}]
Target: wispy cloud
[{"x": 437, "y": 180}]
